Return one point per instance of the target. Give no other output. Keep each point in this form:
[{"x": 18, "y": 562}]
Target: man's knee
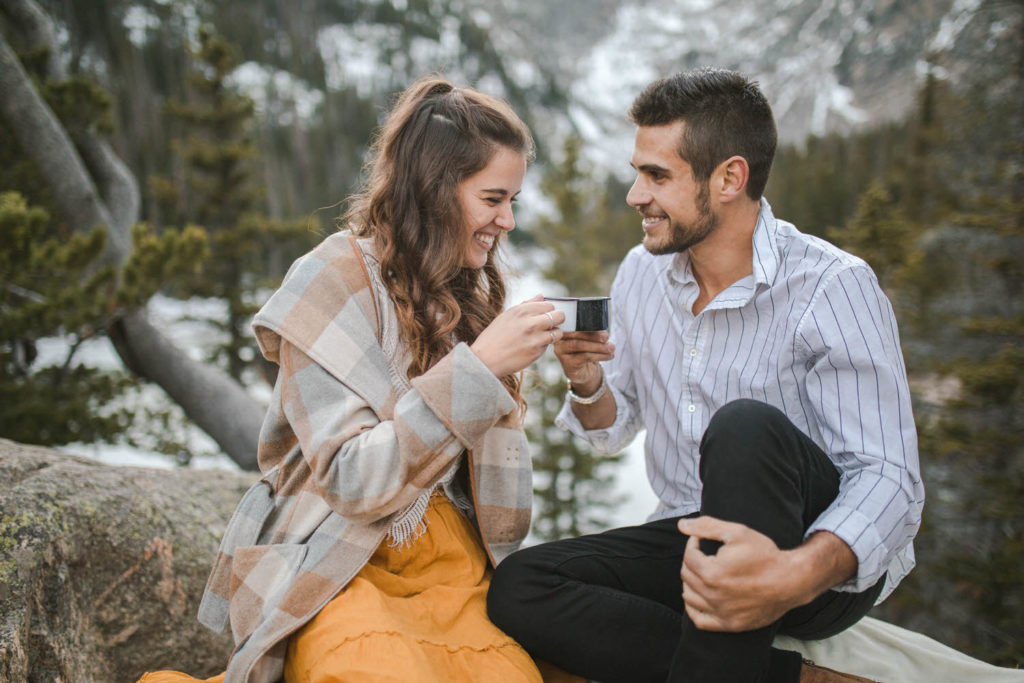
[
  {"x": 740, "y": 432},
  {"x": 745, "y": 414},
  {"x": 509, "y": 590}
]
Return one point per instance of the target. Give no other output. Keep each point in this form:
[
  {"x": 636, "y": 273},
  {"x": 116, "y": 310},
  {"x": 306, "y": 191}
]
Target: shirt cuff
[
  {"x": 465, "y": 395},
  {"x": 606, "y": 440},
  {"x": 859, "y": 532}
]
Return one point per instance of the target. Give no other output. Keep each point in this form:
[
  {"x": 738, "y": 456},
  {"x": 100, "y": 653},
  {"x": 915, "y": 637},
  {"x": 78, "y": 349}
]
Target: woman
[{"x": 396, "y": 472}]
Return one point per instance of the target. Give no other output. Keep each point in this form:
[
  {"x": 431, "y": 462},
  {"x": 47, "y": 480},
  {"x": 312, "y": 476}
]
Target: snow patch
[
  {"x": 139, "y": 21},
  {"x": 953, "y": 24},
  {"x": 276, "y": 93}
]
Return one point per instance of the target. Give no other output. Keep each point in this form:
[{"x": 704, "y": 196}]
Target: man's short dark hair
[{"x": 725, "y": 115}]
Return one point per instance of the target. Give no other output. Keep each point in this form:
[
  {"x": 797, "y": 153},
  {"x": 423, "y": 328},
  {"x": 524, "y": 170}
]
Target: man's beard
[{"x": 682, "y": 237}]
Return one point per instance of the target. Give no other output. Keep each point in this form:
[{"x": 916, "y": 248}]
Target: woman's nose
[{"x": 506, "y": 219}]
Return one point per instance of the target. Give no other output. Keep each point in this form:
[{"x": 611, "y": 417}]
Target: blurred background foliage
[{"x": 233, "y": 189}]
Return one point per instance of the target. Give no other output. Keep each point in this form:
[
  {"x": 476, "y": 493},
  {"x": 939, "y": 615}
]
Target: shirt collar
[
  {"x": 765, "y": 263},
  {"x": 766, "y": 246}
]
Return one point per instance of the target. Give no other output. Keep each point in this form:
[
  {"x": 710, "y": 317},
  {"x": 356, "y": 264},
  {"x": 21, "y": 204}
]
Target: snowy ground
[{"x": 181, "y": 321}]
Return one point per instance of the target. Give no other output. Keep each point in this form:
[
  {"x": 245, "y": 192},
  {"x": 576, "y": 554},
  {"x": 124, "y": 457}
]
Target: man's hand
[
  {"x": 580, "y": 354},
  {"x": 750, "y": 582}
]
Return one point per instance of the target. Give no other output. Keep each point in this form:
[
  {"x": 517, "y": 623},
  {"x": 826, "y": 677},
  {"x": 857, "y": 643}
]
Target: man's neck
[{"x": 727, "y": 255}]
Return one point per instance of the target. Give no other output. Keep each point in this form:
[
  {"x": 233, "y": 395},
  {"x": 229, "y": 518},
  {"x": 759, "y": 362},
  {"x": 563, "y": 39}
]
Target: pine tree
[
  {"x": 592, "y": 229},
  {"x": 56, "y": 127},
  {"x": 939, "y": 216},
  {"x": 971, "y": 544},
  {"x": 586, "y": 240},
  {"x": 51, "y": 286},
  {"x": 217, "y": 189},
  {"x": 818, "y": 184},
  {"x": 954, "y": 274},
  {"x": 879, "y": 232}
]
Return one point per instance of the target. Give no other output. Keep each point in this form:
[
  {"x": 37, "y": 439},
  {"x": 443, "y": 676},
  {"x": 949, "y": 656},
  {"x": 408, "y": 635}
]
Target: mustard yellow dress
[{"x": 412, "y": 615}]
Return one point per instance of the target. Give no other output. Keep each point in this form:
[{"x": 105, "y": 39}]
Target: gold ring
[{"x": 548, "y": 314}]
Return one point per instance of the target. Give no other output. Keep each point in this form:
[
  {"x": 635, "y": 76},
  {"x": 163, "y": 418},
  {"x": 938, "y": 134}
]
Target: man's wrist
[
  {"x": 820, "y": 563},
  {"x": 580, "y": 394}
]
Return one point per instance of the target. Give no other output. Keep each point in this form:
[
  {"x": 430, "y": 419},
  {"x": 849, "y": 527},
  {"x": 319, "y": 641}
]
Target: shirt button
[
  {"x": 693, "y": 408},
  {"x": 693, "y": 352}
]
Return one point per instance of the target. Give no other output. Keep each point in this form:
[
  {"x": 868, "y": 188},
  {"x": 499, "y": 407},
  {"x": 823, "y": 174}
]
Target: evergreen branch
[{"x": 25, "y": 293}]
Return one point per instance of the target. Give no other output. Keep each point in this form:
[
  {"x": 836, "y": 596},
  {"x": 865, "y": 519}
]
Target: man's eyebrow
[{"x": 650, "y": 168}]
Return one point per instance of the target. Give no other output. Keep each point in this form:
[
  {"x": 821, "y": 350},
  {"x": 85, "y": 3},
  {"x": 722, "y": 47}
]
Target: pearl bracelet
[{"x": 593, "y": 398}]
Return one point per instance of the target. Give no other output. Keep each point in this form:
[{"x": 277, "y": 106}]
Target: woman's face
[{"x": 486, "y": 200}]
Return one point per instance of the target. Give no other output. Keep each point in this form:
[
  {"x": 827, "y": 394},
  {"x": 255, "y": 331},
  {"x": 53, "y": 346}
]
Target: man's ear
[{"x": 731, "y": 178}]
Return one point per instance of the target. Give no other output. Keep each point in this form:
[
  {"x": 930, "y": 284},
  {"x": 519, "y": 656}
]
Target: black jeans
[{"x": 609, "y": 606}]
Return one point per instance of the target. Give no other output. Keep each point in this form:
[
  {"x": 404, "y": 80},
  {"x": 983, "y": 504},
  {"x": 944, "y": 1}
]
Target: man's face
[{"x": 676, "y": 209}]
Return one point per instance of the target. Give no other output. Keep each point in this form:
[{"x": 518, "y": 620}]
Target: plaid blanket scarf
[{"x": 341, "y": 454}]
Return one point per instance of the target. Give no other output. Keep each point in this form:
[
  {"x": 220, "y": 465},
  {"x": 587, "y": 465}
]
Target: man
[{"x": 765, "y": 366}]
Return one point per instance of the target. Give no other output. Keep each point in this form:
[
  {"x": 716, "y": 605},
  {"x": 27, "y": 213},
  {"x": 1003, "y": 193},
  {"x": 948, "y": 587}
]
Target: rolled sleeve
[
  {"x": 611, "y": 439},
  {"x": 862, "y": 405},
  {"x": 857, "y": 531}
]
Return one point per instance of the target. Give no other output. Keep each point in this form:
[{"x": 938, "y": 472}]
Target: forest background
[{"x": 170, "y": 158}]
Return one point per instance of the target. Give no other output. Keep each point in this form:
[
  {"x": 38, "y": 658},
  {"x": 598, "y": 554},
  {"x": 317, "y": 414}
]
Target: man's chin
[{"x": 659, "y": 247}]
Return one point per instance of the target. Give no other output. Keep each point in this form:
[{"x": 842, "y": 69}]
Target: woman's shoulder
[
  {"x": 338, "y": 265},
  {"x": 340, "y": 247},
  {"x": 315, "y": 296}
]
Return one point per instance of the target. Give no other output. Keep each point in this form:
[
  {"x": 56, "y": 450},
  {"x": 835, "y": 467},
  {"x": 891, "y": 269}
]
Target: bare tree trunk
[
  {"x": 45, "y": 140},
  {"x": 210, "y": 397},
  {"x": 93, "y": 187}
]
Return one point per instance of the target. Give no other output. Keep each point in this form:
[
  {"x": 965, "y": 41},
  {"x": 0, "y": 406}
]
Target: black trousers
[{"x": 609, "y": 606}]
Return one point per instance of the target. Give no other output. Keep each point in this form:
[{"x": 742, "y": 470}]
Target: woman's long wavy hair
[{"x": 435, "y": 137}]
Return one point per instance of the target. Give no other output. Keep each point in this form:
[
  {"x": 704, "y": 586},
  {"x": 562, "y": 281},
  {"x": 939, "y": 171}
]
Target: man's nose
[{"x": 638, "y": 194}]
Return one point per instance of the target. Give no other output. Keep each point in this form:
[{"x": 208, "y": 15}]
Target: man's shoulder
[{"x": 803, "y": 251}]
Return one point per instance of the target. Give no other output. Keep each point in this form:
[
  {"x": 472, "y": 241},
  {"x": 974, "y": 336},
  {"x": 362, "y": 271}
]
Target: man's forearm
[{"x": 821, "y": 562}]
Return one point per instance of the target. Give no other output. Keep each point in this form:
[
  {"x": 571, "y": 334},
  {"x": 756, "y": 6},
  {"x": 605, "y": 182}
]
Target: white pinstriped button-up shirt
[{"x": 809, "y": 332}]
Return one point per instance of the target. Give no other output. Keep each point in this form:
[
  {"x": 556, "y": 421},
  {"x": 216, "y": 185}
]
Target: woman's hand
[{"x": 518, "y": 336}]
